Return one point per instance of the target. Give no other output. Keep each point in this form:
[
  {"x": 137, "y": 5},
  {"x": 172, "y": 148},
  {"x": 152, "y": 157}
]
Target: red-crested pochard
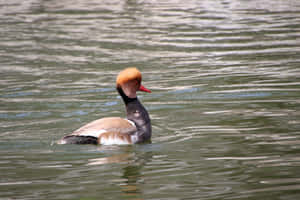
[{"x": 136, "y": 128}]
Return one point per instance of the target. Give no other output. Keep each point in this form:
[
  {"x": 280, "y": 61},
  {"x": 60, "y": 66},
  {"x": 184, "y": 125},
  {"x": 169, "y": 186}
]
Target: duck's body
[{"x": 136, "y": 128}]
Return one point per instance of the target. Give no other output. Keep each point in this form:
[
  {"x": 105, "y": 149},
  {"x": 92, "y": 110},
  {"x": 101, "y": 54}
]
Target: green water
[{"x": 225, "y": 101}]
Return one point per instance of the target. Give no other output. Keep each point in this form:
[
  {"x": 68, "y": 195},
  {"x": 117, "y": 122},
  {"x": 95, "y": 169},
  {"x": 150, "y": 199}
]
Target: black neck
[{"x": 137, "y": 113}]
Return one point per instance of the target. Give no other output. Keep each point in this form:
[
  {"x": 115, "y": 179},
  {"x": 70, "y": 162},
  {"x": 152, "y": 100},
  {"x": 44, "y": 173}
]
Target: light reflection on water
[{"x": 224, "y": 107}]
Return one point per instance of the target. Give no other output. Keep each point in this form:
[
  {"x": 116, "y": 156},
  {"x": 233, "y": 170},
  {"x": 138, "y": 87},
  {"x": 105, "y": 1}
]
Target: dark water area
[{"x": 225, "y": 101}]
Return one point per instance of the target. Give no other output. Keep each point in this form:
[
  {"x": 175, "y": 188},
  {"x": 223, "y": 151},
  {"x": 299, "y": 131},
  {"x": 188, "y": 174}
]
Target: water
[{"x": 225, "y": 102}]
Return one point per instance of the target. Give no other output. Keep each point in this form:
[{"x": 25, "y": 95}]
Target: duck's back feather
[{"x": 112, "y": 127}]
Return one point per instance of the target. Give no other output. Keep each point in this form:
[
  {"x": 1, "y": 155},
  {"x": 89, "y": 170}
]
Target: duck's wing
[
  {"x": 108, "y": 124},
  {"x": 111, "y": 127}
]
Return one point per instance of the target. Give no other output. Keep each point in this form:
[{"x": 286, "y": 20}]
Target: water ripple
[{"x": 224, "y": 108}]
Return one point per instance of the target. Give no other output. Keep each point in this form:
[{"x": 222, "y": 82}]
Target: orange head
[{"x": 131, "y": 77}]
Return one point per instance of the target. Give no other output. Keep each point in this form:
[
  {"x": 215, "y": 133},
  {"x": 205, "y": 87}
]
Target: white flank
[
  {"x": 134, "y": 139},
  {"x": 113, "y": 140}
]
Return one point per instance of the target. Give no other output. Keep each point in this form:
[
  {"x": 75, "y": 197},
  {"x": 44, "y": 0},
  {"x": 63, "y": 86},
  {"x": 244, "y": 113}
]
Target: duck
[{"x": 135, "y": 128}]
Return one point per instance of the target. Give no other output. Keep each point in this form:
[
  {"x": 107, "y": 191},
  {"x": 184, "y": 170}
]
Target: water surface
[{"x": 224, "y": 105}]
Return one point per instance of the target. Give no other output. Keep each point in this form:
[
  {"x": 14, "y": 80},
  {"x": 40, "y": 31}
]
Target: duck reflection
[
  {"x": 132, "y": 180},
  {"x": 120, "y": 158},
  {"x": 133, "y": 161}
]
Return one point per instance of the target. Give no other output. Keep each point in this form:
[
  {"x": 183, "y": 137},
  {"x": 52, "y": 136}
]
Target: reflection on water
[
  {"x": 108, "y": 160},
  {"x": 130, "y": 177},
  {"x": 225, "y": 102}
]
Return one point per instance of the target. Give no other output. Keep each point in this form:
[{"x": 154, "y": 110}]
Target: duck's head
[{"x": 129, "y": 80}]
